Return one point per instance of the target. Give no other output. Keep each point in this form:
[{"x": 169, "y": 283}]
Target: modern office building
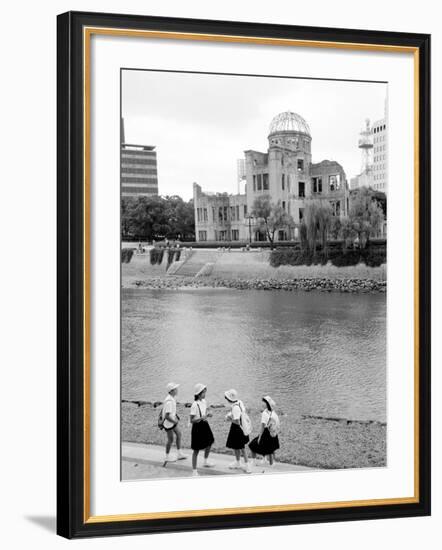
[
  {"x": 380, "y": 155},
  {"x": 139, "y": 176},
  {"x": 286, "y": 174}
]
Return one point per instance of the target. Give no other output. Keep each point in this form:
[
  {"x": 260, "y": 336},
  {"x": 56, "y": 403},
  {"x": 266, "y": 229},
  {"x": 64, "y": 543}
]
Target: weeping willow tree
[
  {"x": 311, "y": 223},
  {"x": 318, "y": 220},
  {"x": 303, "y": 236},
  {"x": 324, "y": 216},
  {"x": 366, "y": 214}
]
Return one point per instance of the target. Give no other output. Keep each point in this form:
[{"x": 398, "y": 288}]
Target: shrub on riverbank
[
  {"x": 126, "y": 255},
  {"x": 173, "y": 254},
  {"x": 156, "y": 256},
  {"x": 373, "y": 256}
]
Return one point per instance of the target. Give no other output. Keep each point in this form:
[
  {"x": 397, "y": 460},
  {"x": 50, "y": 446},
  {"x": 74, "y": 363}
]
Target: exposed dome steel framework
[{"x": 289, "y": 122}]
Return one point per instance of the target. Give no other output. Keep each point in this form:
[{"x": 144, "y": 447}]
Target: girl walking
[
  {"x": 170, "y": 421},
  {"x": 202, "y": 436},
  {"x": 239, "y": 430},
  {"x": 267, "y": 442}
]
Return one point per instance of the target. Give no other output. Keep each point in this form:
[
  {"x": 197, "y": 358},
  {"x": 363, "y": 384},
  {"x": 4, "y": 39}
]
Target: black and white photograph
[
  {"x": 253, "y": 274},
  {"x": 221, "y": 275}
]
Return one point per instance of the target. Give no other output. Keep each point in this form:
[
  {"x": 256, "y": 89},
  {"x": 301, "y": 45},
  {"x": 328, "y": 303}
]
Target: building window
[
  {"x": 235, "y": 235},
  {"x": 283, "y": 205},
  {"x": 317, "y": 184},
  {"x": 198, "y": 217},
  {"x": 202, "y": 235},
  {"x": 237, "y": 212},
  {"x": 265, "y": 182},
  {"x": 283, "y": 181},
  {"x": 245, "y": 210},
  {"x": 232, "y": 213},
  {"x": 220, "y": 214},
  {"x": 213, "y": 214},
  {"x": 336, "y": 208},
  {"x": 225, "y": 214},
  {"x": 301, "y": 189},
  {"x": 222, "y": 235},
  {"x": 254, "y": 182},
  {"x": 301, "y": 214},
  {"x": 334, "y": 182},
  {"x": 259, "y": 180},
  {"x": 300, "y": 165},
  {"x": 205, "y": 214}
]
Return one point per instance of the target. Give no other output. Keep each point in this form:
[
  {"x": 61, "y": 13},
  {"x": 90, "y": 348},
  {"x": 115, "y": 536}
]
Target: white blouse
[{"x": 198, "y": 408}]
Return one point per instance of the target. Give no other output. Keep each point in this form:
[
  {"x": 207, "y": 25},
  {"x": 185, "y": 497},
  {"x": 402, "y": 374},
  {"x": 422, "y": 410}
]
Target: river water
[{"x": 315, "y": 353}]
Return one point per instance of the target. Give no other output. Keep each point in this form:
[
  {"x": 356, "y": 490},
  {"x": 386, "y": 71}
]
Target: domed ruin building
[{"x": 285, "y": 173}]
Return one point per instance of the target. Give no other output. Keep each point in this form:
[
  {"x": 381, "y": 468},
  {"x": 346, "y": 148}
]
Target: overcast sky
[{"x": 201, "y": 124}]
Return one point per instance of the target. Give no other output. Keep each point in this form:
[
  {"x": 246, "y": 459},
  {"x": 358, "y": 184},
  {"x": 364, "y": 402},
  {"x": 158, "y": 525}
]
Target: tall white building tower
[{"x": 380, "y": 152}]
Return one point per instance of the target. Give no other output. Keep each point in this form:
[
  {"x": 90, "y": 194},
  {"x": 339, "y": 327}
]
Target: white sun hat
[
  {"x": 199, "y": 388},
  {"x": 231, "y": 395},
  {"x": 270, "y": 401},
  {"x": 171, "y": 386}
]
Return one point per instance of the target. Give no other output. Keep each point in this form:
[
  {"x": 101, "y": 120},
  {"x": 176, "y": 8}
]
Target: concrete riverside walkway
[{"x": 143, "y": 461}]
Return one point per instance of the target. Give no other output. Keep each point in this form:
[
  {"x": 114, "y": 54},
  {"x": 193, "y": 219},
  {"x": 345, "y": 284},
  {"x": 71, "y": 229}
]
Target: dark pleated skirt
[
  {"x": 202, "y": 436},
  {"x": 266, "y": 446},
  {"x": 236, "y": 438}
]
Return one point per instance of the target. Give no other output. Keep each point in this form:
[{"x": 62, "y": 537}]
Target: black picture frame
[{"x": 72, "y": 520}]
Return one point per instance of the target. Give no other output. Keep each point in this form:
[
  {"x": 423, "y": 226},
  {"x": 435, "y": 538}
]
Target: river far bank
[
  {"x": 248, "y": 271},
  {"x": 323, "y": 284},
  {"x": 317, "y": 442}
]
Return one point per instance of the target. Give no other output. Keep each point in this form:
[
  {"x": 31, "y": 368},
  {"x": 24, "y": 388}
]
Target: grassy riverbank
[{"x": 308, "y": 441}]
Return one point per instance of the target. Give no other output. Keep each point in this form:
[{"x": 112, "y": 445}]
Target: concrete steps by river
[{"x": 196, "y": 261}]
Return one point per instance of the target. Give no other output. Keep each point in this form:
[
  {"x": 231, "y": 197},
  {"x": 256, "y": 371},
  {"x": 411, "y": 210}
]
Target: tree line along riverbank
[{"x": 318, "y": 442}]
